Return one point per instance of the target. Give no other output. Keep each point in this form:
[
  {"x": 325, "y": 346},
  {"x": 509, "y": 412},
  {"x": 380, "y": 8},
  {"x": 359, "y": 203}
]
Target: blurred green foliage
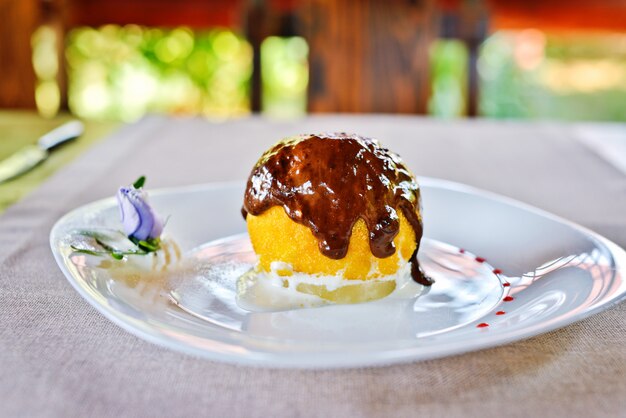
[
  {"x": 123, "y": 72},
  {"x": 528, "y": 74},
  {"x": 285, "y": 74},
  {"x": 46, "y": 66},
  {"x": 448, "y": 69}
]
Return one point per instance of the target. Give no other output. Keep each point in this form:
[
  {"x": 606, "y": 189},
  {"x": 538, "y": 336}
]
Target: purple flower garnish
[
  {"x": 142, "y": 226},
  {"x": 140, "y": 221}
]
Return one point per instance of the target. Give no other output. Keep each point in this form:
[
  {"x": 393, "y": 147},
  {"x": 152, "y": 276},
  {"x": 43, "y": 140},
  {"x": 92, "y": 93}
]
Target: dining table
[{"x": 60, "y": 357}]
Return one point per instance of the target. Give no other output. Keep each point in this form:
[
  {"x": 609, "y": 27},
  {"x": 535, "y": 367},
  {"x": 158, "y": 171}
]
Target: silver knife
[{"x": 30, "y": 156}]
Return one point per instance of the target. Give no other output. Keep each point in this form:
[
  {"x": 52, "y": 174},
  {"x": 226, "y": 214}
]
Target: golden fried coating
[{"x": 275, "y": 237}]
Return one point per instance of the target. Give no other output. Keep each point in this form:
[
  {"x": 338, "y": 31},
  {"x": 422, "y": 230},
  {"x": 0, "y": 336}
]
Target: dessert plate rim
[{"x": 229, "y": 350}]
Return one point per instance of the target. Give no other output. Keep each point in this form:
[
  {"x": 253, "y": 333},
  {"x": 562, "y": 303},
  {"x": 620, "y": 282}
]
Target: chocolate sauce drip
[{"x": 329, "y": 181}]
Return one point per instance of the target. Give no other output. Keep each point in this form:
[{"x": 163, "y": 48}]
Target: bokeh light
[
  {"x": 531, "y": 74},
  {"x": 123, "y": 72},
  {"x": 448, "y": 69},
  {"x": 45, "y": 63},
  {"x": 285, "y": 74}
]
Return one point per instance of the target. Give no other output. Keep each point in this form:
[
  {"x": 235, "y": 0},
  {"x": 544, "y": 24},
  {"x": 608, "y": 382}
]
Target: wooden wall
[
  {"x": 365, "y": 55},
  {"x": 368, "y": 55},
  {"x": 559, "y": 15},
  {"x": 18, "y": 20}
]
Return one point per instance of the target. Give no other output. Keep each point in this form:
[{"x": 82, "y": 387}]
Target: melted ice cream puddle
[{"x": 259, "y": 291}]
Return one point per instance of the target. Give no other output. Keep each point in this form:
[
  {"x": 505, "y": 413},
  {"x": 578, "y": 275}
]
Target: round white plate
[{"x": 506, "y": 271}]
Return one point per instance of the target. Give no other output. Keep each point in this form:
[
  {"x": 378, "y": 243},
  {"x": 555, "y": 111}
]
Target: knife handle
[{"x": 59, "y": 135}]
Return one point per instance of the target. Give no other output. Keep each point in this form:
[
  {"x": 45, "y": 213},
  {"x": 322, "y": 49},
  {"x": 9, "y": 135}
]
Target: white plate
[{"x": 559, "y": 273}]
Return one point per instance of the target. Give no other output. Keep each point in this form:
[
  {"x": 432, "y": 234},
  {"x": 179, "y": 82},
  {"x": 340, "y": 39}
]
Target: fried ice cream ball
[{"x": 277, "y": 238}]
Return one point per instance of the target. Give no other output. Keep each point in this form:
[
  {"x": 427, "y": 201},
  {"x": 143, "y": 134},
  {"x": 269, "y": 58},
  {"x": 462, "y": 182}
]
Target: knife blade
[{"x": 30, "y": 156}]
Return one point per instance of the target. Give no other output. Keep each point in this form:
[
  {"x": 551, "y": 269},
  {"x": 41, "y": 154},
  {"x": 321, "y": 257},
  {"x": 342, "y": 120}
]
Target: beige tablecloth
[{"x": 59, "y": 357}]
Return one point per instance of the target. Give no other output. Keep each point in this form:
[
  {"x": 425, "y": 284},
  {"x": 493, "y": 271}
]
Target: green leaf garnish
[
  {"x": 118, "y": 255},
  {"x": 150, "y": 245},
  {"x": 143, "y": 247},
  {"x": 86, "y": 251},
  {"x": 138, "y": 184}
]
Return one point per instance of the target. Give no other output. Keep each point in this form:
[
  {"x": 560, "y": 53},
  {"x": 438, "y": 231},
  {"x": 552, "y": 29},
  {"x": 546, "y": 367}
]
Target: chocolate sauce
[{"x": 329, "y": 181}]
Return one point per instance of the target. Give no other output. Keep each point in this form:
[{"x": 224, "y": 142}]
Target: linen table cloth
[{"x": 60, "y": 357}]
